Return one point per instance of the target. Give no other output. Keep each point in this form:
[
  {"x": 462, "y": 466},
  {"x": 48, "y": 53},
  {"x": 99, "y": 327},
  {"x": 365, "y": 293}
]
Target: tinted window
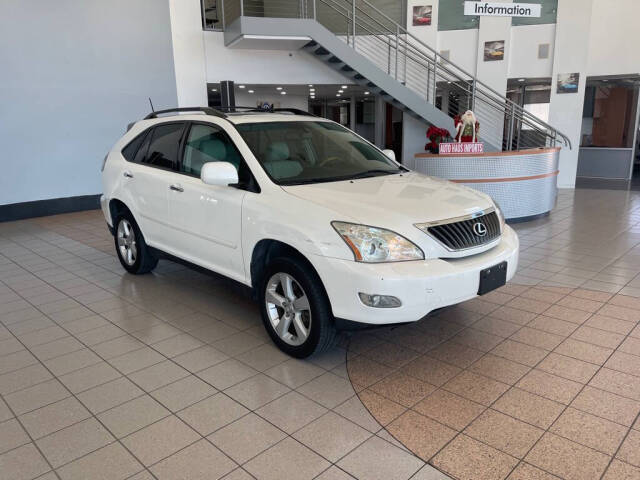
[
  {"x": 129, "y": 152},
  {"x": 164, "y": 145},
  {"x": 207, "y": 143}
]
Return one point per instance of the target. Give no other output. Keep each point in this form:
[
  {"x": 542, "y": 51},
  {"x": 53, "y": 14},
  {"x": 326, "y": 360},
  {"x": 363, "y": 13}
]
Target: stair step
[
  {"x": 346, "y": 68},
  {"x": 310, "y": 44},
  {"x": 322, "y": 51},
  {"x": 335, "y": 59},
  {"x": 359, "y": 77}
]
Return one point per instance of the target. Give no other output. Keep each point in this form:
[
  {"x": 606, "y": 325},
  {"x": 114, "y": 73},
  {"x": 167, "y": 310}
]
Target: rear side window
[
  {"x": 164, "y": 145},
  {"x": 129, "y": 152}
]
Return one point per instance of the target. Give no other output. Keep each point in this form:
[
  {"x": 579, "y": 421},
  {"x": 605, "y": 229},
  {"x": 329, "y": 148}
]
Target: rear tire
[
  {"x": 295, "y": 308},
  {"x": 132, "y": 250}
]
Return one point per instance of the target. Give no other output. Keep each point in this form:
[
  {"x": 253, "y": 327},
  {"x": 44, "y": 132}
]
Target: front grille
[{"x": 465, "y": 234}]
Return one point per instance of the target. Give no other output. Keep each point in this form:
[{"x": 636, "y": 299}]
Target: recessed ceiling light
[
  {"x": 521, "y": 79},
  {"x": 338, "y": 95},
  {"x": 311, "y": 84},
  {"x": 340, "y": 91},
  {"x": 312, "y": 89},
  {"x": 283, "y": 93},
  {"x": 241, "y": 86},
  {"x": 449, "y": 81},
  {"x": 366, "y": 93},
  {"x": 214, "y": 89},
  {"x": 344, "y": 86},
  {"x": 278, "y": 88},
  {"x": 250, "y": 91}
]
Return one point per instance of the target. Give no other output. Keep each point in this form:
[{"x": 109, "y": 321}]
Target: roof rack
[
  {"x": 206, "y": 110},
  {"x": 295, "y": 111}
]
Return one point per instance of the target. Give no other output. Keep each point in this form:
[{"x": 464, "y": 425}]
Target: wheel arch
[
  {"x": 266, "y": 250},
  {"x": 116, "y": 208}
]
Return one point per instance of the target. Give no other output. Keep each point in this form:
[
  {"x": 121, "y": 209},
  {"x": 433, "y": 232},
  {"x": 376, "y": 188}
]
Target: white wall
[
  {"x": 462, "y": 46},
  {"x": 565, "y": 110},
  {"x": 74, "y": 74},
  {"x": 264, "y": 66},
  {"x": 523, "y": 60},
  {"x": 188, "y": 52},
  {"x": 613, "y": 43}
]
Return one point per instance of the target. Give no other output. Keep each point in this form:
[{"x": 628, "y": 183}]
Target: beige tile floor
[
  {"x": 170, "y": 375},
  {"x": 104, "y": 375},
  {"x": 538, "y": 380}
]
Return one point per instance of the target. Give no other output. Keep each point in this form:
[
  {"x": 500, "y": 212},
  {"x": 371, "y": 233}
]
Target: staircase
[{"x": 362, "y": 43}]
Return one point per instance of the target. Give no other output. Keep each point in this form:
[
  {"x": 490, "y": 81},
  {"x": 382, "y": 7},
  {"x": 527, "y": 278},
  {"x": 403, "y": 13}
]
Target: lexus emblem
[{"x": 480, "y": 229}]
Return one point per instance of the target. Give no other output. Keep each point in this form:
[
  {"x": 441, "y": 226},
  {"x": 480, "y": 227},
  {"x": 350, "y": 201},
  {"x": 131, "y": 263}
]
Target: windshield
[{"x": 294, "y": 153}]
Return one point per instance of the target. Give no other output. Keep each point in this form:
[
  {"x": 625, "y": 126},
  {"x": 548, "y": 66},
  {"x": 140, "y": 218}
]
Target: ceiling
[{"x": 320, "y": 92}]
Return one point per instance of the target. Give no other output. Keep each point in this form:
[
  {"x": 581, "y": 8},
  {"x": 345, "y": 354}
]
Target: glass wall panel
[
  {"x": 451, "y": 16},
  {"x": 212, "y": 14},
  {"x": 548, "y": 14}
]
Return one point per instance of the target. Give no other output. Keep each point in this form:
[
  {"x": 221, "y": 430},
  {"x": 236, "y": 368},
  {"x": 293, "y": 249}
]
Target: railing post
[
  {"x": 435, "y": 79},
  {"x": 242, "y": 8},
  {"x": 473, "y": 95},
  {"x": 395, "y": 73},
  {"x": 315, "y": 10},
  {"x": 511, "y": 124},
  {"x": 389, "y": 56},
  {"x": 354, "y": 27}
]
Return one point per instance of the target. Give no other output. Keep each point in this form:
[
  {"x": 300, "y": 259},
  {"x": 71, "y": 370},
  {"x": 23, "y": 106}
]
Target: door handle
[
  {"x": 128, "y": 174},
  {"x": 176, "y": 188}
]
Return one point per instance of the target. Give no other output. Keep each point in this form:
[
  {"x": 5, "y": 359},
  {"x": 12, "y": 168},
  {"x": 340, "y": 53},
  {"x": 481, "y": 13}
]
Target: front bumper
[{"x": 422, "y": 286}]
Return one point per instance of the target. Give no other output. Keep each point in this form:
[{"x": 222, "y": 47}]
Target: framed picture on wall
[
  {"x": 494, "y": 50},
  {"x": 568, "y": 82},
  {"x": 422, "y": 15}
]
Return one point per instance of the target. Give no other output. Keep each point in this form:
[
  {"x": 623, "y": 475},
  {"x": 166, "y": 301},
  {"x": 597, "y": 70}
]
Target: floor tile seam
[
  {"x": 488, "y": 407},
  {"x": 565, "y": 407},
  {"x": 91, "y": 413},
  {"x": 624, "y": 439}
]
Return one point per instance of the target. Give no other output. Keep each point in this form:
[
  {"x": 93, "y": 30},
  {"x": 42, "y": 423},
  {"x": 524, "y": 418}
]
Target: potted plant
[{"x": 436, "y": 135}]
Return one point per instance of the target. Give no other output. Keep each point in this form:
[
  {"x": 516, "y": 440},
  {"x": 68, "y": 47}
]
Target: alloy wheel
[
  {"x": 127, "y": 242},
  {"x": 288, "y": 309}
]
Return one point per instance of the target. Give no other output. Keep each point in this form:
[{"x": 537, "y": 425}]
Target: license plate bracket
[{"x": 492, "y": 278}]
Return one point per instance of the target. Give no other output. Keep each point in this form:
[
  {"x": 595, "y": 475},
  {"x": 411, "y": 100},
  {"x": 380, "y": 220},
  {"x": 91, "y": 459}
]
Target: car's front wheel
[{"x": 295, "y": 308}]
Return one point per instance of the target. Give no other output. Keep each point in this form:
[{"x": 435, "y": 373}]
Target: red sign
[{"x": 464, "y": 148}]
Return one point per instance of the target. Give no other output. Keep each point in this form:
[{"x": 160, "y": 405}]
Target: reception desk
[{"x": 523, "y": 182}]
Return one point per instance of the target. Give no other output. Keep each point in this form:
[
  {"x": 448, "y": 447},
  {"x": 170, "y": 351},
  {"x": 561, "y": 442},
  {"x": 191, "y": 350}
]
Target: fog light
[{"x": 379, "y": 301}]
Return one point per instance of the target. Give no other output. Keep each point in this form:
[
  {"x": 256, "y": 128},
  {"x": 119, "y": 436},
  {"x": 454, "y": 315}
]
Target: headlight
[
  {"x": 500, "y": 215},
  {"x": 377, "y": 245}
]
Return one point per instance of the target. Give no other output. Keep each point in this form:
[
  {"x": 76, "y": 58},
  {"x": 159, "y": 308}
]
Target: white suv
[{"x": 329, "y": 231}]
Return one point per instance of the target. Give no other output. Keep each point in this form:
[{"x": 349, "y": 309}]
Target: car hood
[{"x": 393, "y": 201}]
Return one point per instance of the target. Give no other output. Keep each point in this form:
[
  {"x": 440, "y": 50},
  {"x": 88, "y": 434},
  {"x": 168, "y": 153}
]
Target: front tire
[
  {"x": 295, "y": 308},
  {"x": 132, "y": 250}
]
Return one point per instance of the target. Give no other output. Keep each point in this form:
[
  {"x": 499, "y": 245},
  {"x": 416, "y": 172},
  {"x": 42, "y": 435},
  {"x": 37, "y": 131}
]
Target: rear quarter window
[{"x": 129, "y": 152}]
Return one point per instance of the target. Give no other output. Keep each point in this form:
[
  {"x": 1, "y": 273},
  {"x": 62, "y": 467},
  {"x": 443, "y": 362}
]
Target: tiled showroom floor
[{"x": 108, "y": 376}]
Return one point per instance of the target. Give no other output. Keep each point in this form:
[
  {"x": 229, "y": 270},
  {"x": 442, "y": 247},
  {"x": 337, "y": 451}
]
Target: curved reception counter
[{"x": 523, "y": 182}]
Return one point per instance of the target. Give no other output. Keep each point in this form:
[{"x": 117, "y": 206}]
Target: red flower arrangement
[{"x": 436, "y": 135}]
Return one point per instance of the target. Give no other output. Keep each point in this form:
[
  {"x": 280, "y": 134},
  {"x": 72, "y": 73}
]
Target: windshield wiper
[{"x": 375, "y": 172}]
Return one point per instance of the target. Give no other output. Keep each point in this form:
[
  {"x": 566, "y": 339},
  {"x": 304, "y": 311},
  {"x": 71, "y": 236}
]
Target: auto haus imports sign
[
  {"x": 464, "y": 148},
  {"x": 495, "y": 9}
]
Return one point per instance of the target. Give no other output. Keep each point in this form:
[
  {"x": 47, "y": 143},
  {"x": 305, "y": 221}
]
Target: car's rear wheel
[
  {"x": 133, "y": 252},
  {"x": 295, "y": 308}
]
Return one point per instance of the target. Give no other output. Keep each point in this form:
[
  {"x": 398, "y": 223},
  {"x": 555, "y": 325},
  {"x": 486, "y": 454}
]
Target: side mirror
[
  {"x": 219, "y": 173},
  {"x": 390, "y": 153}
]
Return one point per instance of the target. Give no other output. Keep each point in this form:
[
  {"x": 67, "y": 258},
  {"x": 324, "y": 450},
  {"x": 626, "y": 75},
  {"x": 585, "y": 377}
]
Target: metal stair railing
[{"x": 414, "y": 64}]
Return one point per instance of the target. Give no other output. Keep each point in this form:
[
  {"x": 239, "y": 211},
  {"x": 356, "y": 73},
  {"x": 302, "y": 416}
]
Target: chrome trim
[{"x": 461, "y": 218}]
